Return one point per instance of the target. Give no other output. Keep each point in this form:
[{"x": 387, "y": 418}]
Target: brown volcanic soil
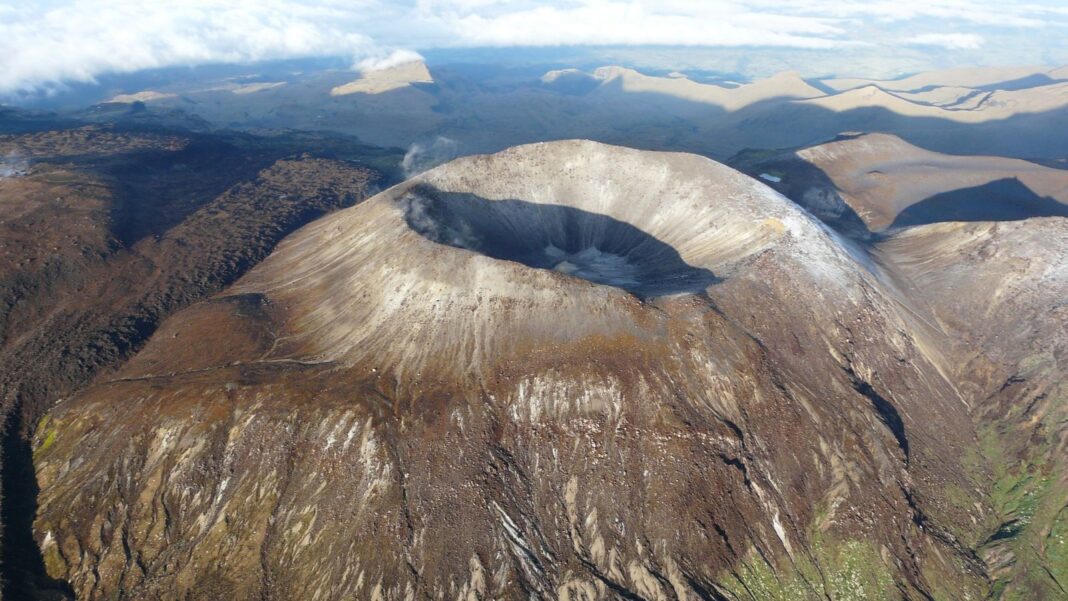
[
  {"x": 113, "y": 228},
  {"x": 410, "y": 403}
]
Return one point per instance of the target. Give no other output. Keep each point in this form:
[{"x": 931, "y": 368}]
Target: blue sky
[{"x": 45, "y": 42}]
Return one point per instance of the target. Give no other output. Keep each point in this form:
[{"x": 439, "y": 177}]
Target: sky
[{"x": 45, "y": 44}]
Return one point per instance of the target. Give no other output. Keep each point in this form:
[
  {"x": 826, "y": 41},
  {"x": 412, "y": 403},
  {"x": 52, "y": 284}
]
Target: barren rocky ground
[{"x": 987, "y": 267}]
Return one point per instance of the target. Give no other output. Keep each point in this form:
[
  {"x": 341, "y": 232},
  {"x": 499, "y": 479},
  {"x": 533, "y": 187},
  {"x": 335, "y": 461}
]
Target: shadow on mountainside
[
  {"x": 806, "y": 185},
  {"x": 658, "y": 121},
  {"x": 1005, "y": 199},
  {"x": 23, "y": 569}
]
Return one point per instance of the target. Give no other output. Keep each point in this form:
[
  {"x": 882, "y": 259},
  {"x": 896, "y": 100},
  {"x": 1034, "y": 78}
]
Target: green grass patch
[
  {"x": 852, "y": 571},
  {"x": 1029, "y": 500},
  {"x": 1057, "y": 548},
  {"x": 46, "y": 435}
]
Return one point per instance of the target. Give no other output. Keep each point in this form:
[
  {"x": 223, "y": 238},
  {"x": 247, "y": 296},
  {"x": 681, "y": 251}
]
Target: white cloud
[
  {"x": 76, "y": 40},
  {"x": 573, "y": 21},
  {"x": 388, "y": 61},
  {"x": 638, "y": 22},
  {"x": 47, "y": 41},
  {"x": 949, "y": 41}
]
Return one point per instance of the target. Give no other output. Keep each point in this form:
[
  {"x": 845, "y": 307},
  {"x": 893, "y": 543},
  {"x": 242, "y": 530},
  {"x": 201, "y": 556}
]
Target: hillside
[{"x": 104, "y": 232}]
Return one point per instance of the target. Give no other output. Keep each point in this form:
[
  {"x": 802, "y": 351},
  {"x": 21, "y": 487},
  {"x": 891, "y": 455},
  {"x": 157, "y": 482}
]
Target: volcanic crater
[{"x": 579, "y": 243}]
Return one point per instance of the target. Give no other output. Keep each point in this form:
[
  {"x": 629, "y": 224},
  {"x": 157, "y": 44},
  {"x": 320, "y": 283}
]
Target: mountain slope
[
  {"x": 970, "y": 77},
  {"x": 993, "y": 106},
  {"x": 781, "y": 86},
  {"x": 386, "y": 80},
  {"x": 953, "y": 112},
  {"x": 1000, "y": 290},
  {"x": 973, "y": 250},
  {"x": 104, "y": 231}
]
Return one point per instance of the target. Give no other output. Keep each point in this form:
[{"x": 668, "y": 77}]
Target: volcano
[{"x": 566, "y": 370}]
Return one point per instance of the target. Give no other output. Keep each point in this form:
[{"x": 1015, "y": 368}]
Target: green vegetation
[
  {"x": 1057, "y": 548},
  {"x": 857, "y": 572},
  {"x": 50, "y": 438},
  {"x": 851, "y": 571},
  {"x": 1032, "y": 523},
  {"x": 45, "y": 435},
  {"x": 1017, "y": 491}
]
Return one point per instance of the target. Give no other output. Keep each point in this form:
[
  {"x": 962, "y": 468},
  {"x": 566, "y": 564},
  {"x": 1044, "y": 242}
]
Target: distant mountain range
[{"x": 1008, "y": 111}]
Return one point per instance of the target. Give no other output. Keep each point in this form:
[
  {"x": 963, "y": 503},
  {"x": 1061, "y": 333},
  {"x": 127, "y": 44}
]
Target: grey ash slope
[{"x": 398, "y": 413}]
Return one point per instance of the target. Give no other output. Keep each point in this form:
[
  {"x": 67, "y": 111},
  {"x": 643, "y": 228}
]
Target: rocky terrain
[
  {"x": 539, "y": 300},
  {"x": 579, "y": 371},
  {"x": 1000, "y": 290},
  {"x": 107, "y": 229}
]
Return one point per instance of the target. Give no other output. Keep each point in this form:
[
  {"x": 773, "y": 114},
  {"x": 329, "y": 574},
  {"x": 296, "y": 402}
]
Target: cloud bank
[
  {"x": 42, "y": 43},
  {"x": 46, "y": 42},
  {"x": 610, "y": 23},
  {"x": 395, "y": 58},
  {"x": 951, "y": 41}
]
